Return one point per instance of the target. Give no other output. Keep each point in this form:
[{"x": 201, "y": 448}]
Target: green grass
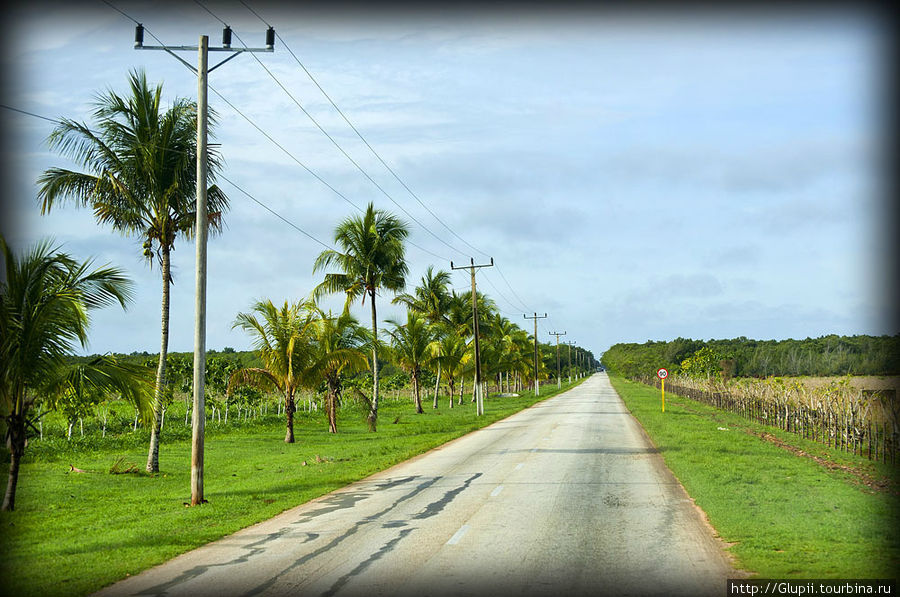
[
  {"x": 73, "y": 533},
  {"x": 787, "y": 515}
]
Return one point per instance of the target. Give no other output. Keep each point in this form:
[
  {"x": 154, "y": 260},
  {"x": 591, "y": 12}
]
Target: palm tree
[
  {"x": 45, "y": 300},
  {"x": 281, "y": 338},
  {"x": 373, "y": 257},
  {"x": 140, "y": 179},
  {"x": 411, "y": 348},
  {"x": 453, "y": 355},
  {"x": 337, "y": 348},
  {"x": 431, "y": 299}
]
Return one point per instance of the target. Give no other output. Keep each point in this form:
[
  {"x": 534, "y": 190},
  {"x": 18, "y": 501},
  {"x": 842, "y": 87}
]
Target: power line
[
  {"x": 311, "y": 172},
  {"x": 365, "y": 141},
  {"x": 276, "y": 214},
  {"x": 226, "y": 179},
  {"x": 273, "y": 141},
  {"x": 362, "y": 138},
  {"x": 335, "y": 143}
]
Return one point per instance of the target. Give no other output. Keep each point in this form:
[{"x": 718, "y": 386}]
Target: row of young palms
[
  {"x": 302, "y": 346},
  {"x": 139, "y": 177}
]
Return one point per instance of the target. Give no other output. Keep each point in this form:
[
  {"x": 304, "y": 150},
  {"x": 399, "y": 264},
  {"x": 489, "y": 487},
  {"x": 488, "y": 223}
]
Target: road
[{"x": 565, "y": 498}]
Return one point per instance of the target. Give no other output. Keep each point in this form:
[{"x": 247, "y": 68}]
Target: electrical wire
[
  {"x": 333, "y": 141},
  {"x": 362, "y": 138},
  {"x": 360, "y": 135},
  {"x": 226, "y": 179},
  {"x": 346, "y": 119}
]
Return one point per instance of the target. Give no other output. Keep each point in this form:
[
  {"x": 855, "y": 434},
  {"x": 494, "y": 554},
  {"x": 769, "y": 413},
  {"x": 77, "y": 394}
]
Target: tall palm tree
[
  {"x": 411, "y": 342},
  {"x": 140, "y": 179},
  {"x": 430, "y": 299},
  {"x": 45, "y": 300},
  {"x": 281, "y": 338},
  {"x": 373, "y": 257},
  {"x": 336, "y": 348}
]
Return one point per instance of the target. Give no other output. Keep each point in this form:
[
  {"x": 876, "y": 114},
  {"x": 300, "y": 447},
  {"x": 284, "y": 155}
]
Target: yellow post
[{"x": 662, "y": 385}]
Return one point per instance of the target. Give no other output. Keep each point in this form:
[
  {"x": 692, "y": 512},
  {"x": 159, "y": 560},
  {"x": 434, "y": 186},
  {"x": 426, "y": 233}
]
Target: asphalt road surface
[{"x": 565, "y": 498}]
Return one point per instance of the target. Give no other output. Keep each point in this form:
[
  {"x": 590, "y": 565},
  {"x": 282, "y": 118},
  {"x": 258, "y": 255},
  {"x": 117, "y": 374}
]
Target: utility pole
[
  {"x": 479, "y": 397},
  {"x": 537, "y": 384},
  {"x": 570, "y": 343},
  {"x": 198, "y": 419},
  {"x": 558, "y": 375}
]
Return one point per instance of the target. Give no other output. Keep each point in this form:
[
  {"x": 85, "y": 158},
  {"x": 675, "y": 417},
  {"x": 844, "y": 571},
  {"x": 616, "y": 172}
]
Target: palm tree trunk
[
  {"x": 415, "y": 381},
  {"x": 153, "y": 454},
  {"x": 15, "y": 442},
  {"x": 332, "y": 406},
  {"x": 373, "y": 413},
  {"x": 437, "y": 385},
  {"x": 289, "y": 411},
  {"x": 450, "y": 384}
]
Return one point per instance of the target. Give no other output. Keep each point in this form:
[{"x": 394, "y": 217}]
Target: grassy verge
[
  {"x": 73, "y": 533},
  {"x": 787, "y": 514}
]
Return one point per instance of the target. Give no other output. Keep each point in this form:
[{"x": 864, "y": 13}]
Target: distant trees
[{"x": 830, "y": 355}]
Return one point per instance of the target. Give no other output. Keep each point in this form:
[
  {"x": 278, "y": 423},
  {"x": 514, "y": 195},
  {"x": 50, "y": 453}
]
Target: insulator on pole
[
  {"x": 270, "y": 38},
  {"x": 138, "y": 36},
  {"x": 226, "y": 37}
]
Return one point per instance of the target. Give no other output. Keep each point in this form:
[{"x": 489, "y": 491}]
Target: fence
[{"x": 860, "y": 421}]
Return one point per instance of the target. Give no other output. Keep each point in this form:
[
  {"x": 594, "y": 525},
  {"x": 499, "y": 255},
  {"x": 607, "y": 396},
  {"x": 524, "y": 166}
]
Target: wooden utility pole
[
  {"x": 537, "y": 385},
  {"x": 570, "y": 343},
  {"x": 558, "y": 374},
  {"x": 198, "y": 416},
  {"x": 479, "y": 397},
  {"x": 198, "y": 420}
]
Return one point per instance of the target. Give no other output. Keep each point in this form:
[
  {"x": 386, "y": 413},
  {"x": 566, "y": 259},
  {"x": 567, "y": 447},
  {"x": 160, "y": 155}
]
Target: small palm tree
[
  {"x": 45, "y": 299},
  {"x": 336, "y": 349},
  {"x": 373, "y": 257},
  {"x": 411, "y": 348},
  {"x": 281, "y": 338},
  {"x": 140, "y": 179},
  {"x": 452, "y": 353},
  {"x": 432, "y": 300}
]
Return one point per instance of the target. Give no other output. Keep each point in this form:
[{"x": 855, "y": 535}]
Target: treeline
[{"x": 742, "y": 357}]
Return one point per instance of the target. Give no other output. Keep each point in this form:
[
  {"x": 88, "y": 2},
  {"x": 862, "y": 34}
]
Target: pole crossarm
[
  {"x": 225, "y": 47},
  {"x": 479, "y": 397}
]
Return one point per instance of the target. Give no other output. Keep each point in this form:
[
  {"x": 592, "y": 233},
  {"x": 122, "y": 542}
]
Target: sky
[{"x": 637, "y": 176}]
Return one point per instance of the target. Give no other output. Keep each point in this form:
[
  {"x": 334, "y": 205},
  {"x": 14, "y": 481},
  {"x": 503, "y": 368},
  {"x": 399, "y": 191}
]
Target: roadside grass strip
[
  {"x": 73, "y": 532},
  {"x": 792, "y": 508}
]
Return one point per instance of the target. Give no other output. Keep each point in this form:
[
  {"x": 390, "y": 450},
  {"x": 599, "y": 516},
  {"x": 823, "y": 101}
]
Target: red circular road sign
[{"x": 662, "y": 373}]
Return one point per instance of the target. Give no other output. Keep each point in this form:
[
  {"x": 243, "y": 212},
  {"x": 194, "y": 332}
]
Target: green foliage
[
  {"x": 830, "y": 355},
  {"x": 702, "y": 364}
]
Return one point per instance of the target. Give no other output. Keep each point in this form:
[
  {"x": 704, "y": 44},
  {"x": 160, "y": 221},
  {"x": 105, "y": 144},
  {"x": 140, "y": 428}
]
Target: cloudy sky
[{"x": 636, "y": 175}]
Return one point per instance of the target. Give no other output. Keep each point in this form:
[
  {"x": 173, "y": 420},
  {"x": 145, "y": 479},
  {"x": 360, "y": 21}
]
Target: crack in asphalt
[
  {"x": 434, "y": 508},
  {"x": 252, "y": 550},
  {"x": 339, "y": 539},
  {"x": 386, "y": 548}
]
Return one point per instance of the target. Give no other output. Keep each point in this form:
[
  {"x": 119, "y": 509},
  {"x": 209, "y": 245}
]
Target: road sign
[{"x": 662, "y": 373}]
